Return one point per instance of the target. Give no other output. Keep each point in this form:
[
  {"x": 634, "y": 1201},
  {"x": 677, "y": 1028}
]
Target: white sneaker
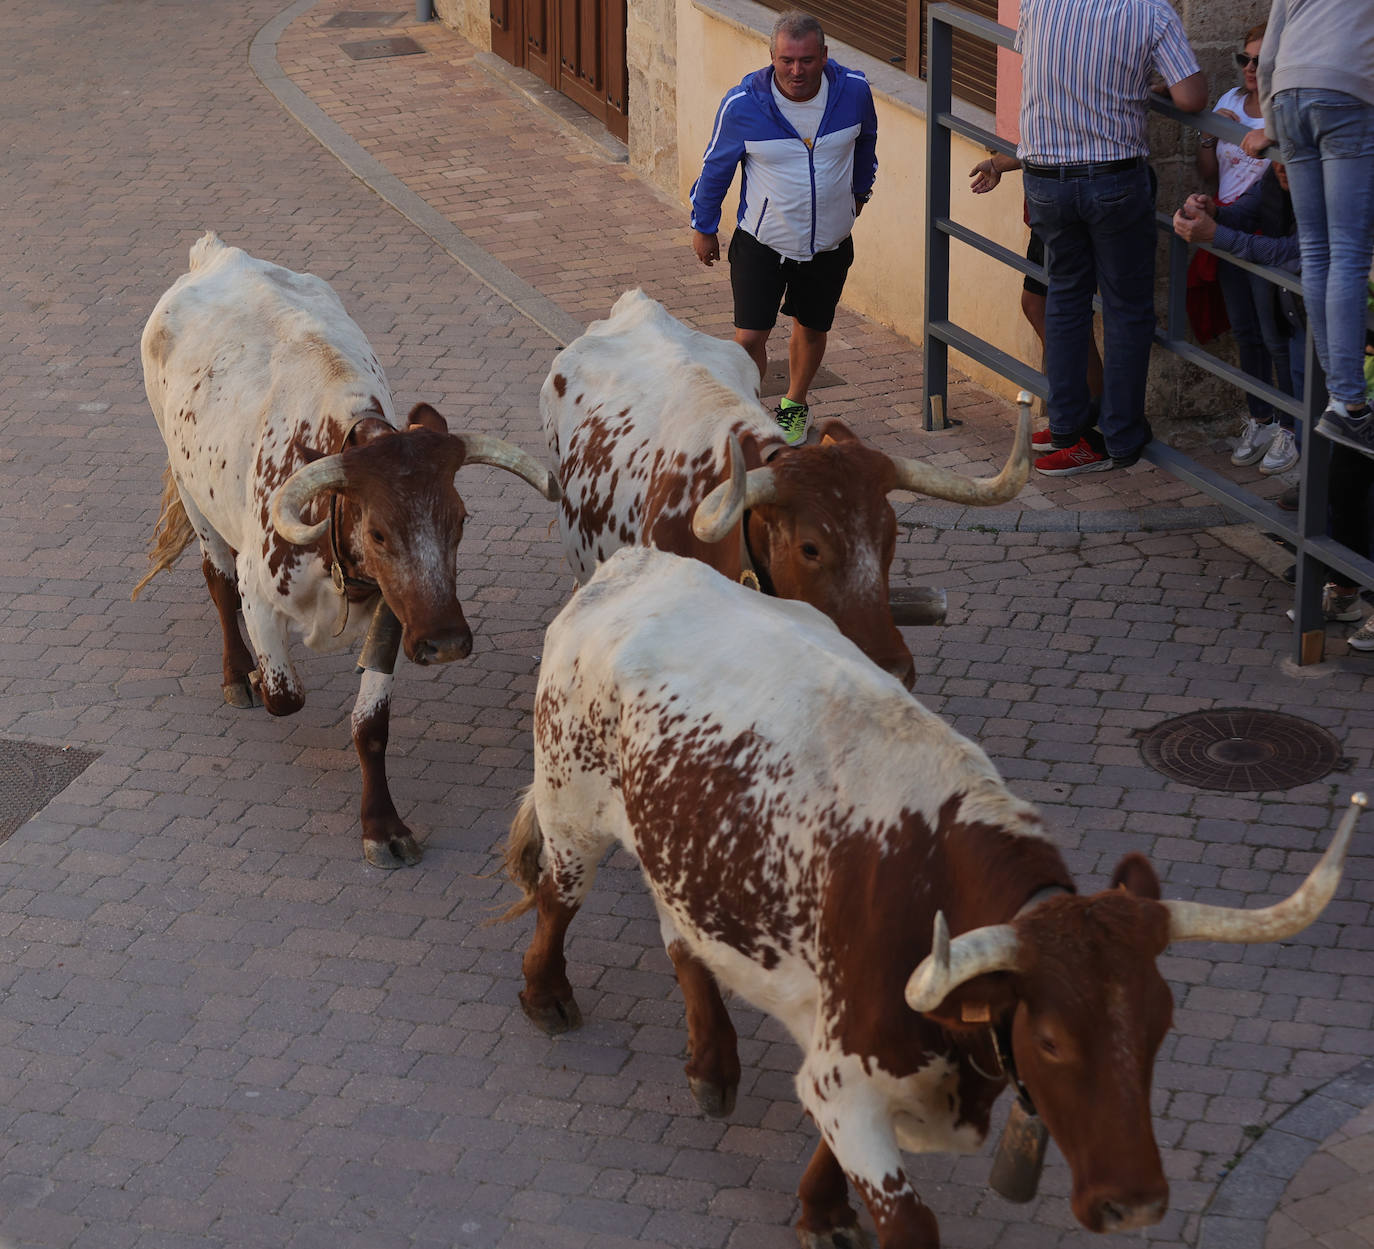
[
  {"x": 1337, "y": 605},
  {"x": 1254, "y": 441},
  {"x": 1363, "y": 637},
  {"x": 1282, "y": 455}
]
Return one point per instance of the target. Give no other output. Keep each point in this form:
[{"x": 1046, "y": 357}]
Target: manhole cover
[
  {"x": 370, "y": 49},
  {"x": 31, "y": 776},
  {"x": 363, "y": 17},
  {"x": 1241, "y": 750}
]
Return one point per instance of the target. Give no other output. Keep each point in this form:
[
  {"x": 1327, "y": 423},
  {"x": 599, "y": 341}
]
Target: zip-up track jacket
[{"x": 797, "y": 200}]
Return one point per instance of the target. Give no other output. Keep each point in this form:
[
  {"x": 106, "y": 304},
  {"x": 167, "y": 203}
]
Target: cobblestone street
[{"x": 221, "y": 1029}]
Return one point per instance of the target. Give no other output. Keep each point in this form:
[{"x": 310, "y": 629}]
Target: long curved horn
[
  {"x": 1199, "y": 921},
  {"x": 296, "y": 491},
  {"x": 950, "y": 963},
  {"x": 486, "y": 449},
  {"x": 717, "y": 513},
  {"x": 941, "y": 483}
]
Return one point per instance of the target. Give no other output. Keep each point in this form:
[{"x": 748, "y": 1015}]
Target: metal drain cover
[
  {"x": 31, "y": 776},
  {"x": 1240, "y": 749},
  {"x": 371, "y": 49},
  {"x": 363, "y": 17}
]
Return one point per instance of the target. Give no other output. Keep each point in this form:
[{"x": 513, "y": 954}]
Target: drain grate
[
  {"x": 31, "y": 776},
  {"x": 363, "y": 17},
  {"x": 1239, "y": 749},
  {"x": 372, "y": 49}
]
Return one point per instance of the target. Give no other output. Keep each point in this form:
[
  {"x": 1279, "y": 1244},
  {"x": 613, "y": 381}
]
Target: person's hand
[
  {"x": 1255, "y": 142},
  {"x": 985, "y": 176},
  {"x": 859, "y": 203},
  {"x": 1194, "y": 227},
  {"x": 706, "y": 246},
  {"x": 1226, "y": 112},
  {"x": 1198, "y": 205}
]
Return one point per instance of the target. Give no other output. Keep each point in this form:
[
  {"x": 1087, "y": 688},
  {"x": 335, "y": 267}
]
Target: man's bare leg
[
  {"x": 755, "y": 342},
  {"x": 805, "y": 351}
]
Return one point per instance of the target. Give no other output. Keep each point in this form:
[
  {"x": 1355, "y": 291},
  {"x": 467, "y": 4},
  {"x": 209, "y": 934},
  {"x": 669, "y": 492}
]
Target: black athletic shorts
[
  {"x": 1035, "y": 253},
  {"x": 807, "y": 289}
]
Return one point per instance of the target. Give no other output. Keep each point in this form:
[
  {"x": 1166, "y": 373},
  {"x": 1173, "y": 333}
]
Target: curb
[
  {"x": 262, "y": 58},
  {"x": 1240, "y": 1209},
  {"x": 1066, "y": 520}
]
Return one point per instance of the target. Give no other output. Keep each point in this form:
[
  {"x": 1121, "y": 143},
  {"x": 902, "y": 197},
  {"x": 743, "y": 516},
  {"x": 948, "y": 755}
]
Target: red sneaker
[
  {"x": 1042, "y": 439},
  {"x": 1079, "y": 458}
]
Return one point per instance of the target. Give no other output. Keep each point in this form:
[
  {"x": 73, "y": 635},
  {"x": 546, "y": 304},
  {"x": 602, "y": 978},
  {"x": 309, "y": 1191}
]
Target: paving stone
[{"x": 219, "y": 1027}]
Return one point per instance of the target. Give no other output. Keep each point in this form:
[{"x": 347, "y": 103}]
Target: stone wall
[
  {"x": 651, "y": 56},
  {"x": 470, "y": 18}
]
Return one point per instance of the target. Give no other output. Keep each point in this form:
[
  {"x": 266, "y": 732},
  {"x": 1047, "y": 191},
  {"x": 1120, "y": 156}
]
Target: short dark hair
[{"x": 795, "y": 25}]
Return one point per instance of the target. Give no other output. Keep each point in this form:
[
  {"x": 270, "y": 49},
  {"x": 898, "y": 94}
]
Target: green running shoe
[{"x": 794, "y": 420}]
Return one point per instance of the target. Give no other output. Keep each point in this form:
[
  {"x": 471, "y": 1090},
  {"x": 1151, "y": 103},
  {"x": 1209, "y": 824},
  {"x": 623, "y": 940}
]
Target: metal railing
[{"x": 1304, "y": 531}]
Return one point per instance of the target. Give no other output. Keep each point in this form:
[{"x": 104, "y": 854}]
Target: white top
[
  {"x": 1237, "y": 171},
  {"x": 804, "y": 116}
]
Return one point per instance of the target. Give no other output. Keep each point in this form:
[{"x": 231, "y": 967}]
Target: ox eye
[
  {"x": 377, "y": 536},
  {"x": 1048, "y": 1047},
  {"x": 811, "y": 551}
]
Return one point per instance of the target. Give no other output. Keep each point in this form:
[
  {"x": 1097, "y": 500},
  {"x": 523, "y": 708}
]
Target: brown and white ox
[
  {"x": 811, "y": 836},
  {"x": 316, "y": 508},
  {"x": 648, "y": 419}
]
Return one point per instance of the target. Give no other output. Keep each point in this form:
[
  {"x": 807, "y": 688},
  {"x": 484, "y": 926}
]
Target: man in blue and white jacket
[{"x": 805, "y": 132}]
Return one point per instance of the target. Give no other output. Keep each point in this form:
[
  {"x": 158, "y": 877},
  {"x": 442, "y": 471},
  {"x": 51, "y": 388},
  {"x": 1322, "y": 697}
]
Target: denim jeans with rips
[{"x": 1327, "y": 141}]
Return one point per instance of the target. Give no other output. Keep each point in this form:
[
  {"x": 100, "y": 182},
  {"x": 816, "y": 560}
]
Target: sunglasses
[{"x": 1247, "y": 62}]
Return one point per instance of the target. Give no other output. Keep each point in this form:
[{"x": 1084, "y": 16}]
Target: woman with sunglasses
[
  {"x": 1261, "y": 340},
  {"x": 1223, "y": 165}
]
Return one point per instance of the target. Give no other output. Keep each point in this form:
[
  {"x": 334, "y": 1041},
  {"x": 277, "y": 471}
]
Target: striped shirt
[{"x": 1085, "y": 75}]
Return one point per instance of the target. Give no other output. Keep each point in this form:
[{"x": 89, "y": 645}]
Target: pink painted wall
[{"x": 1008, "y": 76}]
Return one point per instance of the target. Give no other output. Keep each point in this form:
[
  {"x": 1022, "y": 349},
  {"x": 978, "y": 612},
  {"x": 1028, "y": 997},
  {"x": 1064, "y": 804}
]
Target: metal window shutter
[
  {"x": 975, "y": 62},
  {"x": 879, "y": 27}
]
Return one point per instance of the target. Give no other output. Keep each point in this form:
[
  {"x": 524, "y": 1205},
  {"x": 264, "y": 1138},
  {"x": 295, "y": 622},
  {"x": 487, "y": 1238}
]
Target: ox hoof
[
  {"x": 713, "y": 1100},
  {"x": 392, "y": 852},
  {"x": 836, "y": 1238},
  {"x": 241, "y": 694},
  {"x": 554, "y": 1018}
]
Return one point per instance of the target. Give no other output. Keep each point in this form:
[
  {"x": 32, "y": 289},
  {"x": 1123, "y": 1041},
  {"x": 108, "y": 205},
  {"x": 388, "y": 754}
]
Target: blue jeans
[
  {"x": 1261, "y": 335},
  {"x": 1327, "y": 141},
  {"x": 1099, "y": 235}
]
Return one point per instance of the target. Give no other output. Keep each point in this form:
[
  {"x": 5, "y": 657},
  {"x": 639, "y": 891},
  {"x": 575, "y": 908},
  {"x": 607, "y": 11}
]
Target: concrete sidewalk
[{"x": 221, "y": 1029}]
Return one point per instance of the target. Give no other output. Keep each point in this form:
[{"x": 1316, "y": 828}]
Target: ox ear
[
  {"x": 976, "y": 1003},
  {"x": 1135, "y": 875},
  {"x": 423, "y": 414},
  {"x": 835, "y": 430}
]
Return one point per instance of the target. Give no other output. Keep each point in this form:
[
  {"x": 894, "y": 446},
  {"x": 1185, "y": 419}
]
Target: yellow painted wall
[{"x": 715, "y": 49}]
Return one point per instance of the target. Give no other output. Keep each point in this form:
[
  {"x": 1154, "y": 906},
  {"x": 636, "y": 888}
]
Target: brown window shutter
[
  {"x": 879, "y": 28},
  {"x": 975, "y": 61}
]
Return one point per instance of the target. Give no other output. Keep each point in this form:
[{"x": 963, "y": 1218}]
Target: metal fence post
[{"x": 939, "y": 97}]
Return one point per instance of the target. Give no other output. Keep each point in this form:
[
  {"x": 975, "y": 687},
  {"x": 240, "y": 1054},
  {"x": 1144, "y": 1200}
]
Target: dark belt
[{"x": 1061, "y": 172}]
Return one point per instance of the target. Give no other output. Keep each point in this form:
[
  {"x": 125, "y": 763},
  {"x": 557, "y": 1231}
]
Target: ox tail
[
  {"x": 524, "y": 849},
  {"x": 204, "y": 247},
  {"x": 173, "y": 533}
]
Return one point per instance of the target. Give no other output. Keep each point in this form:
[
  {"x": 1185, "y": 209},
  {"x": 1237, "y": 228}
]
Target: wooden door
[{"x": 577, "y": 46}]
